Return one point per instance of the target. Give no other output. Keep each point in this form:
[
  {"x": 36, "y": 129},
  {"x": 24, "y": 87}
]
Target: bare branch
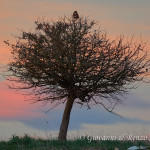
[{"x": 71, "y": 58}]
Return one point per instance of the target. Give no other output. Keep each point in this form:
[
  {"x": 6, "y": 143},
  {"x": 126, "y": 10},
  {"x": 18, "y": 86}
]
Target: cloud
[
  {"x": 134, "y": 110},
  {"x": 10, "y": 128},
  {"x": 14, "y": 106},
  {"x": 16, "y": 14},
  {"x": 137, "y": 104},
  {"x": 117, "y": 129}
]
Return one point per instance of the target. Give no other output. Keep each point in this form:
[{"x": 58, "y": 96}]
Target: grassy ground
[{"x": 28, "y": 143}]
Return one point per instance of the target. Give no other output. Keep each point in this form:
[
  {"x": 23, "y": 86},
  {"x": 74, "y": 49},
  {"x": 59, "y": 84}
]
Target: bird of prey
[{"x": 75, "y": 15}]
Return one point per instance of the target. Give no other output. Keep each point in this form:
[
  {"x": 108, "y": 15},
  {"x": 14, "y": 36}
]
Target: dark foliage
[
  {"x": 68, "y": 56},
  {"x": 70, "y": 60}
]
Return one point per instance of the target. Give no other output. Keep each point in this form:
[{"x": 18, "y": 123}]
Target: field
[{"x": 29, "y": 143}]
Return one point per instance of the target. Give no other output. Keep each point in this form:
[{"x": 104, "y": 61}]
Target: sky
[{"x": 117, "y": 17}]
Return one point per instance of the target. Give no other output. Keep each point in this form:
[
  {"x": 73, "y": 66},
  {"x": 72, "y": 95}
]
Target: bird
[{"x": 75, "y": 15}]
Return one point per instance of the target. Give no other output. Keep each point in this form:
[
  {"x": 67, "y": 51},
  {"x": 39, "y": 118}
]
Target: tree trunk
[{"x": 65, "y": 120}]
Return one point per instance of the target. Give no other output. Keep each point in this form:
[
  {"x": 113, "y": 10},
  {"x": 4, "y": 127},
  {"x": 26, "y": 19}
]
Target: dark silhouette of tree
[{"x": 69, "y": 61}]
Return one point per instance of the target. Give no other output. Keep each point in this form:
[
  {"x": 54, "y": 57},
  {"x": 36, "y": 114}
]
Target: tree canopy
[{"x": 71, "y": 59}]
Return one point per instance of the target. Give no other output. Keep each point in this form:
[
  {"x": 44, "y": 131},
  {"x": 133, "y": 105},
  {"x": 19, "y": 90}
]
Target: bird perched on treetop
[{"x": 75, "y": 15}]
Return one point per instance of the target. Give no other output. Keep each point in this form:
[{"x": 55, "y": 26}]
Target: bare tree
[{"x": 71, "y": 61}]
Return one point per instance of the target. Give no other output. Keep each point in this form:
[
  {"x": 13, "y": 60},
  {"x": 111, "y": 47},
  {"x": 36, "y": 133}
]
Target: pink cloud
[
  {"x": 13, "y": 105},
  {"x": 22, "y": 14},
  {"x": 16, "y": 105}
]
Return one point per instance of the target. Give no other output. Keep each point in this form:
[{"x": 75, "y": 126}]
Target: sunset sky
[{"x": 117, "y": 17}]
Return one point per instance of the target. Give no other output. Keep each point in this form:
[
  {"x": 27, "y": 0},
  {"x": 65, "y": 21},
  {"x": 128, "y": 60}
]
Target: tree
[{"x": 69, "y": 61}]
